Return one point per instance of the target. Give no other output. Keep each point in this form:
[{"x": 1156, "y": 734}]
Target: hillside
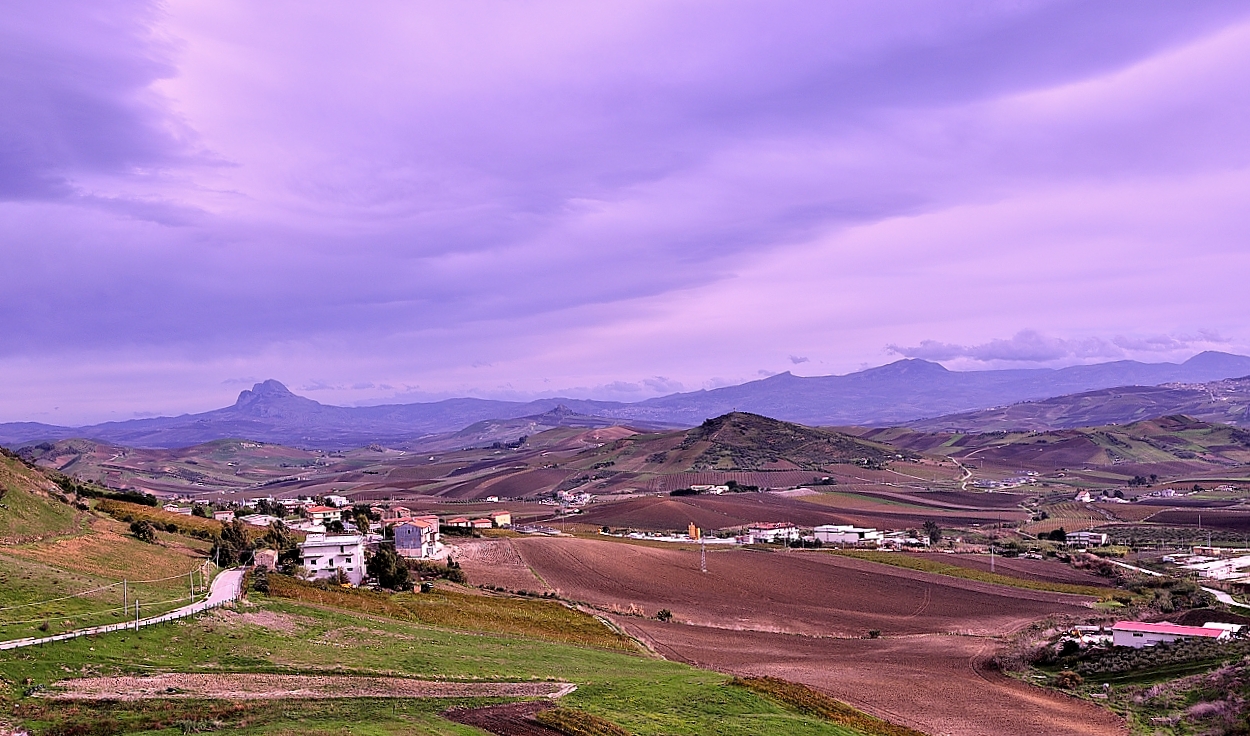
[
  {"x": 1225, "y": 401},
  {"x": 31, "y": 506},
  {"x": 902, "y": 391},
  {"x": 738, "y": 442},
  {"x": 1165, "y": 446}
]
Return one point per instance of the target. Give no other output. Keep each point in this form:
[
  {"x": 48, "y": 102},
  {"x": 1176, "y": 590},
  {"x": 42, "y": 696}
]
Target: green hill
[{"x": 31, "y": 506}]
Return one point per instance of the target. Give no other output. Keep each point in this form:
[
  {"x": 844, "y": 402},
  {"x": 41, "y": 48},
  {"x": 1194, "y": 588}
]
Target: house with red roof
[{"x": 1138, "y": 634}]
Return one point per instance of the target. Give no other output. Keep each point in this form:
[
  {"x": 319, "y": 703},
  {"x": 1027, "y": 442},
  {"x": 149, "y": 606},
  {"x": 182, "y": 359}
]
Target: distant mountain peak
[{"x": 264, "y": 393}]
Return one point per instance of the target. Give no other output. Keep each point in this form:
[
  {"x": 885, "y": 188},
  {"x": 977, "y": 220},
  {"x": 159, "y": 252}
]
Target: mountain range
[{"x": 900, "y": 392}]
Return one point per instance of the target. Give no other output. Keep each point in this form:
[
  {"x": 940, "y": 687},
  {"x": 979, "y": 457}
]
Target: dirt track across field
[
  {"x": 276, "y": 687},
  {"x": 511, "y": 719}
]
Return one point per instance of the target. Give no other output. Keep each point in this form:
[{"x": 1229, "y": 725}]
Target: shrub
[
  {"x": 1068, "y": 680},
  {"x": 664, "y": 615},
  {"x": 143, "y": 531}
]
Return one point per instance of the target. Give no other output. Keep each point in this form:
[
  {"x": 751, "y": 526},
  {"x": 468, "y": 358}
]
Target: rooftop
[{"x": 1166, "y": 628}]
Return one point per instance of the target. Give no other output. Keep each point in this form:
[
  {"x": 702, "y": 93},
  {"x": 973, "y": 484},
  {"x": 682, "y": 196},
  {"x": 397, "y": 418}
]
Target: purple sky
[{"x": 405, "y": 201}]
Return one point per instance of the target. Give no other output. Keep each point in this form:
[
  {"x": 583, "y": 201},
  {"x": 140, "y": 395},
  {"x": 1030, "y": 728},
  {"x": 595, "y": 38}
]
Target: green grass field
[{"x": 641, "y": 694}]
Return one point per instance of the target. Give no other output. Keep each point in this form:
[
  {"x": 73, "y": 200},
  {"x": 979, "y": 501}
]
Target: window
[{"x": 1138, "y": 635}]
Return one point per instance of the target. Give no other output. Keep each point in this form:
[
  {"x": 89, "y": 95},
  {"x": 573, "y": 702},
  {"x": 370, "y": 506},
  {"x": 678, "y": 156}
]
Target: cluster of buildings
[
  {"x": 1230, "y": 566},
  {"x": 416, "y": 536}
]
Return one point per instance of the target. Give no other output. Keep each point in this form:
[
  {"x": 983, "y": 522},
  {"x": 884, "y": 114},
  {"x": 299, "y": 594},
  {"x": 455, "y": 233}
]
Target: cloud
[
  {"x": 1031, "y": 346},
  {"x": 797, "y": 360}
]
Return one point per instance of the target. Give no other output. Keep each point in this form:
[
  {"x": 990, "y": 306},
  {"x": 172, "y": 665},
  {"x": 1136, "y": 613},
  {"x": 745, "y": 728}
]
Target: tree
[
  {"x": 390, "y": 569},
  {"x": 664, "y": 615},
  {"x": 362, "y": 522},
  {"x": 335, "y": 527},
  {"x": 232, "y": 545},
  {"x": 143, "y": 531},
  {"x": 278, "y": 537},
  {"x": 201, "y": 511},
  {"x": 934, "y": 531}
]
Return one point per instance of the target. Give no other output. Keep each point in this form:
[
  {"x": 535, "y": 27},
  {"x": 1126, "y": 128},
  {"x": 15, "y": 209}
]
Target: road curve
[{"x": 225, "y": 588}]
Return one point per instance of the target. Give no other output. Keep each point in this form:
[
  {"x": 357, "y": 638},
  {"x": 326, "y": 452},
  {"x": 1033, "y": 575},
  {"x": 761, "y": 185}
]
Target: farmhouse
[
  {"x": 337, "y": 502},
  {"x": 417, "y": 538},
  {"x": 223, "y": 516},
  {"x": 260, "y": 520},
  {"x": 1084, "y": 497},
  {"x": 772, "y": 532},
  {"x": 324, "y": 555},
  {"x": 396, "y": 512},
  {"x": 847, "y": 534},
  {"x": 1087, "y": 539},
  {"x": 323, "y": 514},
  {"x": 174, "y": 508},
  {"x": 459, "y": 521},
  {"x": 482, "y": 524},
  {"x": 502, "y": 519},
  {"x": 1138, "y": 634}
]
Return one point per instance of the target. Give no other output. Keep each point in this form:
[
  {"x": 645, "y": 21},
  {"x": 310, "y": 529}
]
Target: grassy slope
[
  {"x": 644, "y": 695},
  {"x": 27, "y": 508},
  {"x": 925, "y": 565}
]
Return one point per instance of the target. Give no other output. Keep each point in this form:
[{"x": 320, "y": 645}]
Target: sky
[{"x": 406, "y": 201}]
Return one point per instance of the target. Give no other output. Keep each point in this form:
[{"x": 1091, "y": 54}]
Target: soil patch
[
  {"x": 512, "y": 719},
  {"x": 277, "y": 687},
  {"x": 496, "y": 562}
]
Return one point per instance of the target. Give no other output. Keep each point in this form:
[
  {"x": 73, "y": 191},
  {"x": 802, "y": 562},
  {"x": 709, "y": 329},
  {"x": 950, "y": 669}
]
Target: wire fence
[
  {"x": 230, "y": 580},
  {"x": 123, "y": 592}
]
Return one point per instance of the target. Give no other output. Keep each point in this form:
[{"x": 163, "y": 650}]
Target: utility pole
[
  {"x": 991, "y": 557},
  {"x": 136, "y": 615},
  {"x": 702, "y": 554},
  {"x": 191, "y": 580},
  {"x": 125, "y": 597}
]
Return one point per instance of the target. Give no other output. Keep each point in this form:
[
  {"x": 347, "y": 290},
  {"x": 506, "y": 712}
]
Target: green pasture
[{"x": 642, "y": 694}]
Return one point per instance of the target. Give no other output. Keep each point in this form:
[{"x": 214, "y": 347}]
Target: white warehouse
[
  {"x": 847, "y": 534},
  {"x": 1138, "y": 634}
]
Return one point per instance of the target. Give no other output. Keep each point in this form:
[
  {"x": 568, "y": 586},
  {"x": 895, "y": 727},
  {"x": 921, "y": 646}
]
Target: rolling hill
[
  {"x": 1226, "y": 402},
  {"x": 902, "y": 391}
]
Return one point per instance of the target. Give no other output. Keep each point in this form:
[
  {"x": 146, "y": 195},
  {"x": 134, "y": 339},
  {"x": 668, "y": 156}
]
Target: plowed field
[
  {"x": 805, "y": 616},
  {"x": 740, "y": 509},
  {"x": 931, "y": 682},
  {"x": 811, "y": 593}
]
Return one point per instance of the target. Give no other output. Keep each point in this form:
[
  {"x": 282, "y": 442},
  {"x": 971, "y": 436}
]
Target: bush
[
  {"x": 389, "y": 568},
  {"x": 664, "y": 615},
  {"x": 1068, "y": 680},
  {"x": 143, "y": 531}
]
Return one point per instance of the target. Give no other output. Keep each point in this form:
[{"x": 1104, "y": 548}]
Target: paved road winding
[{"x": 224, "y": 589}]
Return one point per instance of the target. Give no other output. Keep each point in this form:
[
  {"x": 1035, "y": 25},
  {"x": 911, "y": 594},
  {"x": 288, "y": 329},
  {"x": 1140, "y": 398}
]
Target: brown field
[
  {"x": 1233, "y": 521},
  {"x": 935, "y": 683},
  {"x": 805, "y": 616},
  {"x": 739, "y": 509},
  {"x": 496, "y": 561},
  {"x": 795, "y": 592}
]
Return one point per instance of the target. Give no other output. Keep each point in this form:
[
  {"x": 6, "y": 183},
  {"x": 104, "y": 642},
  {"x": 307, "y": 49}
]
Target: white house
[
  {"x": 1138, "y": 634},
  {"x": 223, "y": 516},
  {"x": 847, "y": 534},
  {"x": 417, "y": 538},
  {"x": 1084, "y": 497},
  {"x": 337, "y": 502},
  {"x": 772, "y": 532},
  {"x": 323, "y": 514},
  {"x": 323, "y": 555},
  {"x": 1087, "y": 539}
]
